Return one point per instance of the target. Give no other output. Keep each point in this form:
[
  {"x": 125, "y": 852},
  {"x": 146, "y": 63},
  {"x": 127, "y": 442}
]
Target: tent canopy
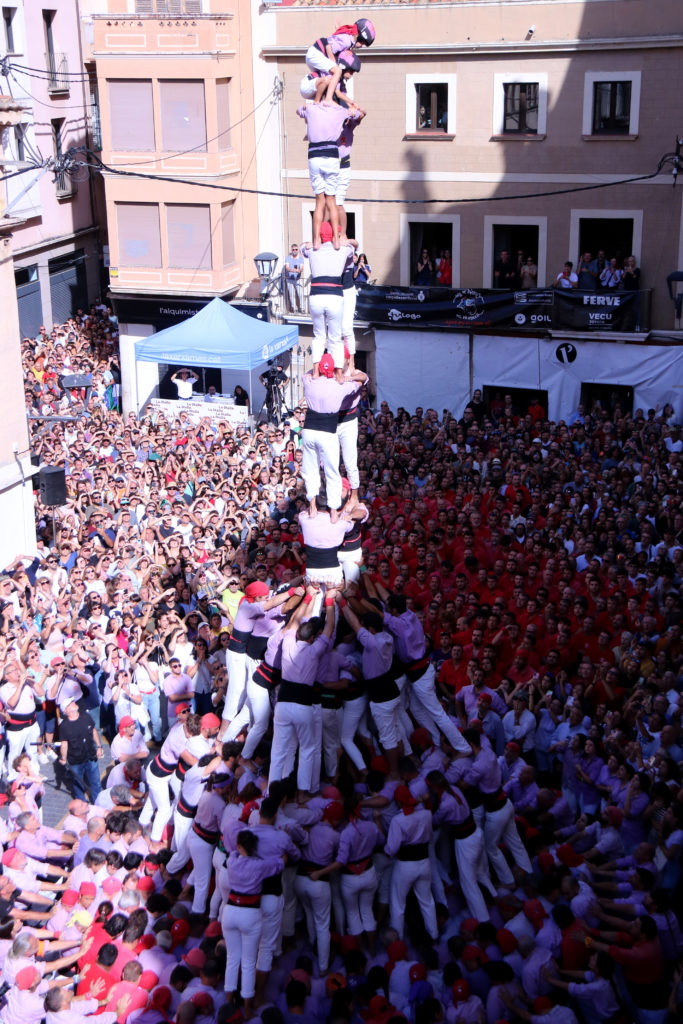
[{"x": 218, "y": 335}]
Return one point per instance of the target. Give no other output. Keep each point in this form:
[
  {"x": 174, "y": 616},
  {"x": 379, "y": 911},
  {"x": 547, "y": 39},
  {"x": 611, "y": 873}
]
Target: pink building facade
[{"x": 57, "y": 254}]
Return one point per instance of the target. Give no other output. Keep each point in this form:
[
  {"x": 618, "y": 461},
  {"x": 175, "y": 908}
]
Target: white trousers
[
  {"x": 18, "y": 741},
  {"x": 258, "y": 700},
  {"x": 354, "y": 710},
  {"x": 500, "y": 827},
  {"x": 293, "y": 726},
  {"x": 241, "y": 931},
  {"x": 347, "y": 432},
  {"x": 332, "y": 726},
  {"x": 386, "y": 716},
  {"x": 426, "y": 708},
  {"x": 321, "y": 446},
  {"x": 316, "y": 899},
  {"x": 236, "y": 665},
  {"x": 358, "y": 893},
  {"x": 202, "y": 860},
  {"x": 158, "y": 804},
  {"x": 415, "y": 875},
  {"x": 473, "y": 871},
  {"x": 272, "y": 908},
  {"x": 350, "y": 562},
  {"x": 181, "y": 829},
  {"x": 326, "y": 314},
  {"x": 349, "y": 297}
]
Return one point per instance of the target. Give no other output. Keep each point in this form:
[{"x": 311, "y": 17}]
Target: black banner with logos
[
  {"x": 596, "y": 311},
  {"x": 541, "y": 308}
]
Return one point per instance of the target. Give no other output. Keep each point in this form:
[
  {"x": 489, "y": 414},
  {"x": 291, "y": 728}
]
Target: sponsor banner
[
  {"x": 220, "y": 410},
  {"x": 596, "y": 311},
  {"x": 541, "y": 308}
]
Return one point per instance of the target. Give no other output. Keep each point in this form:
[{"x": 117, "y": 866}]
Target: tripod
[{"x": 274, "y": 404}]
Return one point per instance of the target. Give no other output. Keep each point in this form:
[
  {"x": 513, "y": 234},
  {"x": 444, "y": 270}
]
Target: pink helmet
[
  {"x": 348, "y": 60},
  {"x": 366, "y": 31}
]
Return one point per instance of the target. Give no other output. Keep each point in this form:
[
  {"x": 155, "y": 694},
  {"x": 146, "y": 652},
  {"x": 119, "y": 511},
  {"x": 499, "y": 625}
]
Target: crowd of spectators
[{"x": 544, "y": 563}]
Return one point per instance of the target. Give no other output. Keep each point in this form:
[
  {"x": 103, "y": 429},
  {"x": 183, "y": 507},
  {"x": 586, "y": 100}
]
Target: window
[
  {"x": 228, "y": 226},
  {"x": 611, "y": 108},
  {"x": 20, "y": 141},
  {"x": 611, "y": 104},
  {"x": 439, "y": 234},
  {"x": 131, "y": 115},
  {"x": 8, "y": 17},
  {"x": 521, "y": 237},
  {"x": 183, "y": 117},
  {"x": 139, "y": 235},
  {"x": 223, "y": 113},
  {"x": 57, "y": 126},
  {"x": 189, "y": 236},
  {"x": 520, "y": 107},
  {"x": 430, "y": 106}
]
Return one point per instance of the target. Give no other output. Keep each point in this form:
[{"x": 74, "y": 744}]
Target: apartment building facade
[
  {"x": 56, "y": 248},
  {"x": 508, "y": 113},
  {"x": 176, "y": 100}
]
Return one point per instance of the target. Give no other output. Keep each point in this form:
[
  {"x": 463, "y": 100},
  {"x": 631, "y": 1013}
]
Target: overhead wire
[{"x": 102, "y": 167}]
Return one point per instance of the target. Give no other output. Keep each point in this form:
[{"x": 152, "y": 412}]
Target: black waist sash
[
  {"x": 326, "y": 285},
  {"x": 295, "y": 693},
  {"x": 326, "y": 421},
  {"x": 345, "y": 161},
  {"x": 318, "y": 149},
  {"x": 320, "y": 558},
  {"x": 15, "y": 721},
  {"x": 414, "y": 670},
  {"x": 494, "y": 801},
  {"x": 348, "y": 415},
  {"x": 161, "y": 768},
  {"x": 464, "y": 828},
  {"x": 238, "y": 641},
  {"x": 382, "y": 688},
  {"x": 266, "y": 676},
  {"x": 272, "y": 886},
  {"x": 414, "y": 851},
  {"x": 256, "y": 647}
]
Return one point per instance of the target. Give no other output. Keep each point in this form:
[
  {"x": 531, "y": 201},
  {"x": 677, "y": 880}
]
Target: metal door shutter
[
  {"x": 68, "y": 288},
  {"x": 30, "y": 308}
]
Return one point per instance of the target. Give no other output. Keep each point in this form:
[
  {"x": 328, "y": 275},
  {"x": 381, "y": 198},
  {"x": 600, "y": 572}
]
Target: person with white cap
[
  {"x": 21, "y": 725},
  {"x": 324, "y": 397}
]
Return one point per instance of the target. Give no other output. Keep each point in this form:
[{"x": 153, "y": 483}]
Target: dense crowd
[{"x": 507, "y": 847}]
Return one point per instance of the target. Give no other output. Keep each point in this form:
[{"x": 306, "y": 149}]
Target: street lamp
[{"x": 266, "y": 262}]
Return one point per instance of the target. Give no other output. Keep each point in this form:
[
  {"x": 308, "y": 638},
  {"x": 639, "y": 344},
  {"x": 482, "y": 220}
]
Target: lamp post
[{"x": 266, "y": 262}]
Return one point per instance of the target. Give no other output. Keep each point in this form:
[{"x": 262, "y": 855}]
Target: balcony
[
  {"x": 58, "y": 72},
  {"x": 171, "y": 8},
  {"x": 95, "y": 128},
  {"x": 65, "y": 186}
]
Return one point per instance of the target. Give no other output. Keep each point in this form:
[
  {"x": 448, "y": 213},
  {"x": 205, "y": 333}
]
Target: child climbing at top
[{"x": 321, "y": 56}]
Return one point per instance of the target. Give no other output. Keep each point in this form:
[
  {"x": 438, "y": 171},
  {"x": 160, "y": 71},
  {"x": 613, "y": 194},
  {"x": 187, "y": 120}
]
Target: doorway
[
  {"x": 519, "y": 240},
  {"x": 607, "y": 396},
  {"x": 434, "y": 236}
]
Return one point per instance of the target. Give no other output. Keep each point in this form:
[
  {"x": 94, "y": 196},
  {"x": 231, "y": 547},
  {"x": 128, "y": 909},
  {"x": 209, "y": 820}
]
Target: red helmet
[
  {"x": 418, "y": 972},
  {"x": 366, "y": 31},
  {"x": 461, "y": 991}
]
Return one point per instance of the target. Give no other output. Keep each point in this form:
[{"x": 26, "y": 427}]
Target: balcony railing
[
  {"x": 58, "y": 72},
  {"x": 65, "y": 186},
  {"x": 170, "y": 8}
]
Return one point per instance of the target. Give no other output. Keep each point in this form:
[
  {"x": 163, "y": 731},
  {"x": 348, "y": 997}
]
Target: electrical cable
[
  {"x": 100, "y": 165},
  {"x": 23, "y": 170},
  {"x": 46, "y": 73}
]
